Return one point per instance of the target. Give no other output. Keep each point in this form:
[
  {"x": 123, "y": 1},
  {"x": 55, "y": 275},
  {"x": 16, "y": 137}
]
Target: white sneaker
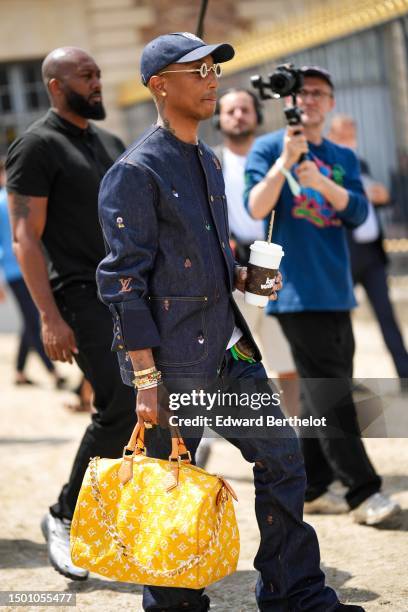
[
  {"x": 375, "y": 509},
  {"x": 328, "y": 503},
  {"x": 203, "y": 452},
  {"x": 56, "y": 532}
]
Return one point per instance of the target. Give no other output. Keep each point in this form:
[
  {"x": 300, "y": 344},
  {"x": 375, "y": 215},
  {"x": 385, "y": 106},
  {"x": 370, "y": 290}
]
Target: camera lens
[{"x": 282, "y": 82}]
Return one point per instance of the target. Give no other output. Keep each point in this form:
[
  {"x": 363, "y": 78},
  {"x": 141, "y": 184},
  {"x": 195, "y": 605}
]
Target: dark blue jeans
[
  {"x": 368, "y": 268},
  {"x": 30, "y": 338},
  {"x": 288, "y": 558}
]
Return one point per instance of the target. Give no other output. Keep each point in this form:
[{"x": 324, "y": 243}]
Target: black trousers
[
  {"x": 368, "y": 269},
  {"x": 115, "y": 418},
  {"x": 322, "y": 345}
]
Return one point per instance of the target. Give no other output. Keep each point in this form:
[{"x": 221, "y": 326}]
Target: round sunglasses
[{"x": 203, "y": 70}]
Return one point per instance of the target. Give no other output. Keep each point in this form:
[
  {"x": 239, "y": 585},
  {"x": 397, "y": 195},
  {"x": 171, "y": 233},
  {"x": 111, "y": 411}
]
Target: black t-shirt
[{"x": 56, "y": 159}]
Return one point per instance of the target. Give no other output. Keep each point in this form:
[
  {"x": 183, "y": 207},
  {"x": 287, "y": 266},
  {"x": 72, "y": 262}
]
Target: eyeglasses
[
  {"x": 203, "y": 70},
  {"x": 315, "y": 94}
]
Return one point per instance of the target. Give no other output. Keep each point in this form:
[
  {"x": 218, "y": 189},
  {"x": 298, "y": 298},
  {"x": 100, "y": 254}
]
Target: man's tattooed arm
[
  {"x": 28, "y": 216},
  {"x": 19, "y": 208}
]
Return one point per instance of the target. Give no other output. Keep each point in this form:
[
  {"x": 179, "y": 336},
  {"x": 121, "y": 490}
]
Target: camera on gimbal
[{"x": 286, "y": 80}]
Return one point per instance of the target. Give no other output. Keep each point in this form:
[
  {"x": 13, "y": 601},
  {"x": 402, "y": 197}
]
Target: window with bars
[
  {"x": 5, "y": 98},
  {"x": 22, "y": 99}
]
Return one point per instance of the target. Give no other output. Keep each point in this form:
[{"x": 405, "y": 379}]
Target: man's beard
[
  {"x": 80, "y": 105},
  {"x": 239, "y": 137}
]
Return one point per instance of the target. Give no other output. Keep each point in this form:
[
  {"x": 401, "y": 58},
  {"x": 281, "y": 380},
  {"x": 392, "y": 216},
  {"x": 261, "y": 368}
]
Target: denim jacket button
[{"x": 212, "y": 198}]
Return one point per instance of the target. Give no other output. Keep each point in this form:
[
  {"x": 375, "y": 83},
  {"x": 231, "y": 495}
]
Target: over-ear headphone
[{"x": 255, "y": 100}]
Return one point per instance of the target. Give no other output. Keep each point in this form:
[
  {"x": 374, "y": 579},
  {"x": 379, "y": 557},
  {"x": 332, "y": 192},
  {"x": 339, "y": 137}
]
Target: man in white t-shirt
[{"x": 238, "y": 115}]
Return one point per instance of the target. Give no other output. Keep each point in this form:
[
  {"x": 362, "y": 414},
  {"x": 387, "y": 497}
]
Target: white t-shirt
[
  {"x": 236, "y": 335},
  {"x": 244, "y": 228},
  {"x": 370, "y": 229}
]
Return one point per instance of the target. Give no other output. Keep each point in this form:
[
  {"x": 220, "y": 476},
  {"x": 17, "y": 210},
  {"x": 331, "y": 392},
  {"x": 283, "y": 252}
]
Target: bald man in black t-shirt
[{"x": 54, "y": 170}]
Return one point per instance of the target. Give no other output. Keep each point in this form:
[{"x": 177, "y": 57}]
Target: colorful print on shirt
[{"x": 312, "y": 206}]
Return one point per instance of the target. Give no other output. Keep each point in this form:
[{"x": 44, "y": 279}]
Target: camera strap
[{"x": 292, "y": 182}]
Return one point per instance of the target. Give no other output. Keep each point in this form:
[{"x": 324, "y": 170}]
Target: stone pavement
[{"x": 38, "y": 438}]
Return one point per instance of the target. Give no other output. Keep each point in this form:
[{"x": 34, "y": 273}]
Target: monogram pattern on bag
[{"x": 147, "y": 535}]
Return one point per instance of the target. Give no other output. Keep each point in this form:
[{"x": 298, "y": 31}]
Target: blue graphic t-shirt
[{"x": 315, "y": 269}]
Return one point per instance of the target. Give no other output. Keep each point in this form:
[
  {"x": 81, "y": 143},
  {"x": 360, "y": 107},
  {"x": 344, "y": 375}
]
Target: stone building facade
[
  {"x": 114, "y": 32},
  {"x": 363, "y": 42}
]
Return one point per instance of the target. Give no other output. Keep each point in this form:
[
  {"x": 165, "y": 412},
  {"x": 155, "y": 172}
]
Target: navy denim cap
[
  {"x": 316, "y": 71},
  {"x": 179, "y": 48}
]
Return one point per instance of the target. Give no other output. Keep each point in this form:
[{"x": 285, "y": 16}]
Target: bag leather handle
[
  {"x": 136, "y": 446},
  {"x": 136, "y": 442}
]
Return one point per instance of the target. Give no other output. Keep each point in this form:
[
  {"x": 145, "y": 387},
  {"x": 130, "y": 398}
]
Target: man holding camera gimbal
[{"x": 315, "y": 188}]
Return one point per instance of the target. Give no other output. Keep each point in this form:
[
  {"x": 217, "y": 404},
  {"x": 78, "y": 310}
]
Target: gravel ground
[{"x": 38, "y": 438}]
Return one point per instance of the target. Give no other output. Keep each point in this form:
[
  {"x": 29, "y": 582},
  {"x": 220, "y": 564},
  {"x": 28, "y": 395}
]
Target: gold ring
[{"x": 148, "y": 425}]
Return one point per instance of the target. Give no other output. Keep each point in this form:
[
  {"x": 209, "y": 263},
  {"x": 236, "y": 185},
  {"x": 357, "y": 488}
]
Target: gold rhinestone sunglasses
[{"x": 203, "y": 70}]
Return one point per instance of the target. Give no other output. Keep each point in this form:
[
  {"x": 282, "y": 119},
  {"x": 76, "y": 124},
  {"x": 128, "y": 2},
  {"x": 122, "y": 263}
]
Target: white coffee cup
[{"x": 264, "y": 262}]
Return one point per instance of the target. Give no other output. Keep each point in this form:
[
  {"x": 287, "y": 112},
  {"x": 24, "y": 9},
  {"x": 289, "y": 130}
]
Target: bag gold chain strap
[{"x": 113, "y": 532}]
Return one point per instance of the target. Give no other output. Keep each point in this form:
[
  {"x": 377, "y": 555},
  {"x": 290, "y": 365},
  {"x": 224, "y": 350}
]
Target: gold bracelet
[
  {"x": 141, "y": 381},
  {"x": 152, "y": 385},
  {"x": 143, "y": 372}
]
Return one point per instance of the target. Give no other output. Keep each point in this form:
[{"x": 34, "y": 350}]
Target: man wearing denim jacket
[{"x": 168, "y": 278}]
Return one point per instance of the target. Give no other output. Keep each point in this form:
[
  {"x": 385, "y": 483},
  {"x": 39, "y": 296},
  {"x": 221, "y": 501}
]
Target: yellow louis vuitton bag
[{"x": 156, "y": 522}]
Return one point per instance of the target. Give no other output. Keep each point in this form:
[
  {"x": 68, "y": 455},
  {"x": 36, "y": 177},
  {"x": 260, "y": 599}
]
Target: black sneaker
[
  {"x": 188, "y": 607},
  {"x": 340, "y": 607}
]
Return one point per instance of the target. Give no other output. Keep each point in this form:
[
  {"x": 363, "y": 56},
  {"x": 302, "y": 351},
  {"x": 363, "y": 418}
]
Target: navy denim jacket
[{"x": 156, "y": 277}]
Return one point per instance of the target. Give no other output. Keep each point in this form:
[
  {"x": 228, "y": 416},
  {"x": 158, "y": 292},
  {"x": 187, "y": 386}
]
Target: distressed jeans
[{"x": 288, "y": 558}]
